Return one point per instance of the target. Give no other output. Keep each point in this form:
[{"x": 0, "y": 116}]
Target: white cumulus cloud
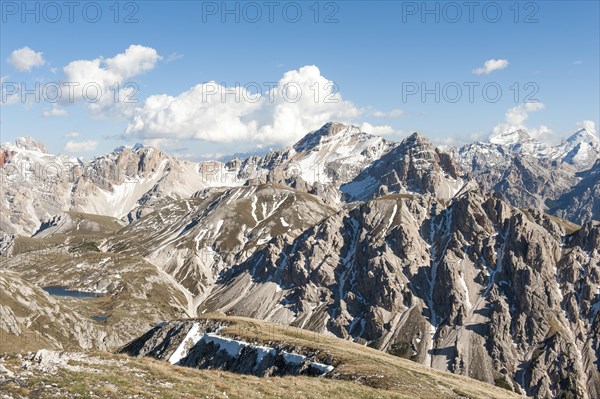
[
  {"x": 101, "y": 74},
  {"x": 72, "y": 135},
  {"x": 81, "y": 146},
  {"x": 490, "y": 66},
  {"x": 515, "y": 116},
  {"x": 302, "y": 100},
  {"x": 25, "y": 59}
]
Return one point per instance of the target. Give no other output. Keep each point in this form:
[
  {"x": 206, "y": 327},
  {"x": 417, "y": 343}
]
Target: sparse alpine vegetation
[{"x": 360, "y": 372}]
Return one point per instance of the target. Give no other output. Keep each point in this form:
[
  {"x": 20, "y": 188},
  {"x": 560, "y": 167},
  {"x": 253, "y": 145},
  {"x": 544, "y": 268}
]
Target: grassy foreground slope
[{"x": 360, "y": 372}]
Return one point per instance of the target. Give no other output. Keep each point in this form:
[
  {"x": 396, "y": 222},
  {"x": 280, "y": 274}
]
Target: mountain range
[{"x": 482, "y": 260}]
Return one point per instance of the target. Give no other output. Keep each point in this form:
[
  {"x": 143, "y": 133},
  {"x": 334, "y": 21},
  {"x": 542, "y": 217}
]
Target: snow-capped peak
[
  {"x": 519, "y": 141},
  {"x": 510, "y": 137},
  {"x": 335, "y": 153},
  {"x": 583, "y": 135},
  {"x": 27, "y": 143},
  {"x": 581, "y": 149},
  {"x": 327, "y": 132}
]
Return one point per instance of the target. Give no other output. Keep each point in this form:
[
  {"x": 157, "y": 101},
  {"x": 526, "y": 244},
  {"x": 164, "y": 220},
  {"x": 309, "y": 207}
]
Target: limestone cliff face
[
  {"x": 473, "y": 286},
  {"x": 200, "y": 344},
  {"x": 582, "y": 202},
  {"x": 415, "y": 165}
]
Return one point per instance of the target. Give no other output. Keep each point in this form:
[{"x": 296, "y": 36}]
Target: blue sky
[{"x": 372, "y": 53}]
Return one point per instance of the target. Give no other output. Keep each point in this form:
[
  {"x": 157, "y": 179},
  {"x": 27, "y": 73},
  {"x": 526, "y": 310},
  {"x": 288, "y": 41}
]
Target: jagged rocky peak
[
  {"x": 418, "y": 152},
  {"x": 331, "y": 155},
  {"x": 583, "y": 135},
  {"x": 415, "y": 149},
  {"x": 480, "y": 156},
  {"x": 415, "y": 165},
  {"x": 417, "y": 139},
  {"x": 520, "y": 141},
  {"x": 132, "y": 160},
  {"x": 28, "y": 143},
  {"x": 581, "y": 149},
  {"x": 332, "y": 128},
  {"x": 510, "y": 137},
  {"x": 328, "y": 130}
]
